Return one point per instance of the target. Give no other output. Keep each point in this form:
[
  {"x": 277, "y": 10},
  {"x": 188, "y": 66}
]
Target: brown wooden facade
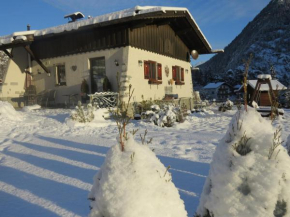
[
  {"x": 80, "y": 42},
  {"x": 263, "y": 99},
  {"x": 159, "y": 39},
  {"x": 154, "y": 38}
]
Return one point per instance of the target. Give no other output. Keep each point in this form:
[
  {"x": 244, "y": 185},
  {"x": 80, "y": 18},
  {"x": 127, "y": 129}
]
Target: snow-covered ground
[{"x": 47, "y": 165}]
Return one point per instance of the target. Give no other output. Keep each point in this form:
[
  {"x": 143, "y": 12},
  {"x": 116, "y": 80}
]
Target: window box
[
  {"x": 179, "y": 83},
  {"x": 154, "y": 81}
]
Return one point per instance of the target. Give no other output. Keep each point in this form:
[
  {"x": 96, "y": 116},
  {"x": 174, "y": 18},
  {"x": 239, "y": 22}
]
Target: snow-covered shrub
[
  {"x": 81, "y": 115},
  {"x": 165, "y": 115},
  {"x": 228, "y": 105},
  {"x": 249, "y": 174},
  {"x": 134, "y": 183}
]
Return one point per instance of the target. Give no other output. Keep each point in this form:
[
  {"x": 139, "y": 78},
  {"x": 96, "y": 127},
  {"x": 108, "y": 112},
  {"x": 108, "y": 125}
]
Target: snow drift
[
  {"x": 134, "y": 183},
  {"x": 7, "y": 111},
  {"x": 31, "y": 108},
  {"x": 249, "y": 174}
]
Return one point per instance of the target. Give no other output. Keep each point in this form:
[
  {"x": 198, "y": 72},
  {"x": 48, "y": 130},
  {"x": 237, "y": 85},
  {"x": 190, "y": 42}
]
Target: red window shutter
[
  {"x": 182, "y": 74},
  {"x": 174, "y": 73},
  {"x": 159, "y": 68},
  {"x": 146, "y": 69}
]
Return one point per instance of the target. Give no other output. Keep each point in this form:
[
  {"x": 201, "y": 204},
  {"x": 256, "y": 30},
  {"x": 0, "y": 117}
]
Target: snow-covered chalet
[
  {"x": 219, "y": 91},
  {"x": 151, "y": 48}
]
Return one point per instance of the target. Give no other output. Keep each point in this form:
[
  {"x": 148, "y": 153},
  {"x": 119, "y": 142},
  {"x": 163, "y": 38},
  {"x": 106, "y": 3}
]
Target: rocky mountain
[{"x": 267, "y": 38}]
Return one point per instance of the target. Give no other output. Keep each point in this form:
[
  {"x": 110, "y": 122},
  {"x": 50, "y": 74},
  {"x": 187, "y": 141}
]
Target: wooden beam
[
  {"x": 8, "y": 53},
  {"x": 27, "y": 48},
  {"x": 13, "y": 45}
]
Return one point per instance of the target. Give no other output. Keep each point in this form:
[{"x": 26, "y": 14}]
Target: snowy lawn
[{"x": 47, "y": 166}]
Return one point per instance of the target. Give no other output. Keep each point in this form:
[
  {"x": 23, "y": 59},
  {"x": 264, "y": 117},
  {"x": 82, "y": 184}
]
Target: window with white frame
[{"x": 60, "y": 75}]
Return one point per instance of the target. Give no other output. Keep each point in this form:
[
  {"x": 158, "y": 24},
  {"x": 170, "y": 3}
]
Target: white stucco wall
[
  {"x": 13, "y": 82},
  {"x": 74, "y": 78},
  {"x": 153, "y": 91},
  {"x": 128, "y": 59}
]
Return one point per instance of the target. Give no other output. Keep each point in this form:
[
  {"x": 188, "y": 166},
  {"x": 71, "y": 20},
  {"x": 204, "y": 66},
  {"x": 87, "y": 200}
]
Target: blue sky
[{"x": 220, "y": 20}]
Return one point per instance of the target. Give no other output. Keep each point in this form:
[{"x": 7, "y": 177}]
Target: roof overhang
[
  {"x": 180, "y": 20},
  {"x": 17, "y": 39}
]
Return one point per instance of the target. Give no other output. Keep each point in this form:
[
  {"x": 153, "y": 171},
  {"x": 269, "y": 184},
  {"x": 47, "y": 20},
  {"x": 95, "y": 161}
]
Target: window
[
  {"x": 153, "y": 72},
  {"x": 60, "y": 75},
  {"x": 178, "y": 75},
  {"x": 98, "y": 73}
]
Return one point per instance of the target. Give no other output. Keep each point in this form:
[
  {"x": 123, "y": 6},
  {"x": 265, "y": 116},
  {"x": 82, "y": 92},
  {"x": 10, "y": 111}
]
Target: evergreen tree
[{"x": 249, "y": 174}]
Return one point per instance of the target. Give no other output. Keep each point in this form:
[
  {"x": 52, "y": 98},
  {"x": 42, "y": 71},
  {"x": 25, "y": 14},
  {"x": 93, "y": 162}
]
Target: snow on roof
[
  {"x": 7, "y": 39},
  {"x": 21, "y": 37},
  {"x": 213, "y": 85},
  {"x": 276, "y": 85},
  {"x": 264, "y": 76},
  {"x": 131, "y": 12}
]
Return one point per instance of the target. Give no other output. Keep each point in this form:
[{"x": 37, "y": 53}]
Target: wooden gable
[{"x": 159, "y": 39}]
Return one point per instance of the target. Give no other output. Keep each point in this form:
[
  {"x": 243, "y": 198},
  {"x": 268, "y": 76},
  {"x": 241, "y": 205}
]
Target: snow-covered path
[{"x": 47, "y": 166}]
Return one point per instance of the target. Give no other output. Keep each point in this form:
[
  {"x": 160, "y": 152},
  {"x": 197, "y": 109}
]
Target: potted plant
[
  {"x": 84, "y": 90},
  {"x": 106, "y": 84}
]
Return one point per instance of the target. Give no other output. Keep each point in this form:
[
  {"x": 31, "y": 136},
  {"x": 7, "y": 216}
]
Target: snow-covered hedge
[
  {"x": 134, "y": 183},
  {"x": 249, "y": 174}
]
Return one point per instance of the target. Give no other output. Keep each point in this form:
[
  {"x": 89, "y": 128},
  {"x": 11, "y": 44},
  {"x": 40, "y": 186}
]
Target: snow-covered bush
[
  {"x": 166, "y": 115},
  {"x": 228, "y": 105},
  {"x": 132, "y": 183},
  {"x": 249, "y": 174},
  {"x": 81, "y": 115},
  {"x": 144, "y": 105}
]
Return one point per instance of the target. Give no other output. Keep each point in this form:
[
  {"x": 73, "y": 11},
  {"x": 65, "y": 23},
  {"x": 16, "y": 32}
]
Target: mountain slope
[{"x": 267, "y": 38}]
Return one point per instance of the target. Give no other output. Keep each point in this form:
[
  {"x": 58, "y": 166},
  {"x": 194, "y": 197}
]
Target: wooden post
[{"x": 8, "y": 53}]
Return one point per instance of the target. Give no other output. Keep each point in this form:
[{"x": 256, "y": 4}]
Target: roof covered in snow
[
  {"x": 276, "y": 85},
  {"x": 213, "y": 85},
  {"x": 136, "y": 13}
]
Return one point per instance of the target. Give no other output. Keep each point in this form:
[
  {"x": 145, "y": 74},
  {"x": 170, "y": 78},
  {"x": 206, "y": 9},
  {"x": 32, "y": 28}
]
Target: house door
[{"x": 98, "y": 73}]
